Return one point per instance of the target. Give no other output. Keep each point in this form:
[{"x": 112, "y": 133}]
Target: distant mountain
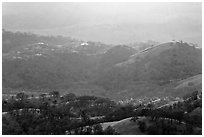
[
  {"x": 116, "y": 23},
  {"x": 18, "y": 40},
  {"x": 139, "y": 46},
  {"x": 153, "y": 69},
  {"x": 37, "y": 62},
  {"x": 14, "y": 40},
  {"x": 50, "y": 71},
  {"x": 85, "y": 67},
  {"x": 116, "y": 55},
  {"x": 168, "y": 61}
]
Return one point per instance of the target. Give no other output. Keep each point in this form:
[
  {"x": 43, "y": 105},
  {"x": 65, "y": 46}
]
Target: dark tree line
[
  {"x": 54, "y": 114},
  {"x": 70, "y": 114},
  {"x": 177, "y": 119}
]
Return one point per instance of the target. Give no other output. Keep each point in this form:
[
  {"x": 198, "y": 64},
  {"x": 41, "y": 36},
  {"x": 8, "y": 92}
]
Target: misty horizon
[
  {"x": 111, "y": 23},
  {"x": 102, "y": 68}
]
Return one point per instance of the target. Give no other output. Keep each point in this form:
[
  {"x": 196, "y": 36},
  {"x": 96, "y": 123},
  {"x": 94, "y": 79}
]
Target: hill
[
  {"x": 188, "y": 85},
  {"x": 115, "y": 55},
  {"x": 120, "y": 72},
  {"x": 124, "y": 127},
  {"x": 153, "y": 70},
  {"x": 172, "y": 60}
]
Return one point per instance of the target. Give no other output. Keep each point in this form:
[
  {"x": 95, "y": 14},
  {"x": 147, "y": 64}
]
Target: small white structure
[
  {"x": 84, "y": 44},
  {"x": 40, "y": 43},
  {"x": 59, "y": 46},
  {"x": 19, "y": 57},
  {"x": 74, "y": 51},
  {"x": 38, "y": 54}
]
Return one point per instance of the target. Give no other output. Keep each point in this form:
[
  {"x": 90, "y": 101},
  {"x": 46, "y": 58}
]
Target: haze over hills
[
  {"x": 118, "y": 71},
  {"x": 108, "y": 68},
  {"x": 111, "y": 23},
  {"x": 171, "y": 60},
  {"x": 154, "y": 70}
]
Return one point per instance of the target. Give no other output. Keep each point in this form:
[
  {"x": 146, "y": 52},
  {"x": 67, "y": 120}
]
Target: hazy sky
[{"x": 108, "y": 22}]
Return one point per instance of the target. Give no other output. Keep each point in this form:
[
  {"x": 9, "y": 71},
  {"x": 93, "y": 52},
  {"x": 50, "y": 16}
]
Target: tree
[
  {"x": 85, "y": 117},
  {"x": 21, "y": 96},
  {"x": 97, "y": 129},
  {"x": 43, "y": 96},
  {"x": 55, "y": 94},
  {"x": 69, "y": 97},
  {"x": 153, "y": 130},
  {"x": 194, "y": 95},
  {"x": 142, "y": 126},
  {"x": 10, "y": 126},
  {"x": 110, "y": 131}
]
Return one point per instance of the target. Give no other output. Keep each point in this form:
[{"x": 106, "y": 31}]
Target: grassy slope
[
  {"x": 124, "y": 127},
  {"x": 189, "y": 85},
  {"x": 192, "y": 81}
]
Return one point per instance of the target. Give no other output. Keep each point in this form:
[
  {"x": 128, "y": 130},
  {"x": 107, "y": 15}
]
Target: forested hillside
[
  {"x": 36, "y": 63},
  {"x": 54, "y": 114}
]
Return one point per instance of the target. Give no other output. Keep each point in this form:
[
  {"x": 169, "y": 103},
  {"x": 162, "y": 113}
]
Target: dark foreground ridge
[{"x": 52, "y": 114}]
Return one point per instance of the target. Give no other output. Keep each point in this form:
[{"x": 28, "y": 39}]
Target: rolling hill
[
  {"x": 95, "y": 68},
  {"x": 124, "y": 127},
  {"x": 153, "y": 70},
  {"x": 188, "y": 85},
  {"x": 168, "y": 61}
]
